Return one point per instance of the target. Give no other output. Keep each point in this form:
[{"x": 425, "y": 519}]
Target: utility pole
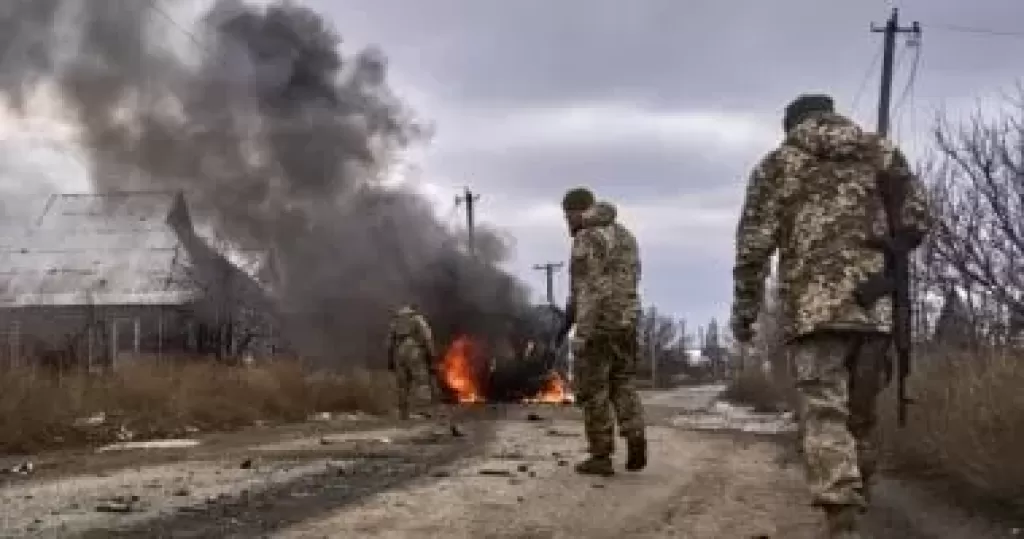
[
  {"x": 469, "y": 198},
  {"x": 890, "y": 30},
  {"x": 549, "y": 270}
]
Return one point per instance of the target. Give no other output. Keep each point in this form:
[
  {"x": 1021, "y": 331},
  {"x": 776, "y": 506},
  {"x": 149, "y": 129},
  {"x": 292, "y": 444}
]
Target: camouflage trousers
[
  {"x": 415, "y": 388},
  {"x": 604, "y": 370},
  {"x": 839, "y": 377}
]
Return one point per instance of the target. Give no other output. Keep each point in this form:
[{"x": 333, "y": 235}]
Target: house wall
[
  {"x": 94, "y": 335},
  {"x": 108, "y": 336}
]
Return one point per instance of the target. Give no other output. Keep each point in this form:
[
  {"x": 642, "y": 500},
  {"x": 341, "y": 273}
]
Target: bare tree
[{"x": 977, "y": 187}]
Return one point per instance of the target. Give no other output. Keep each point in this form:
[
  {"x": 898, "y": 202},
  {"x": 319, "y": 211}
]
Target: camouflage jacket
[
  {"x": 815, "y": 201},
  {"x": 605, "y": 274},
  {"x": 409, "y": 327}
]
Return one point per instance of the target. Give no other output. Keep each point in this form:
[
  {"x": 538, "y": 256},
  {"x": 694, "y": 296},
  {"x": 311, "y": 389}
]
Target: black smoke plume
[{"x": 281, "y": 141}]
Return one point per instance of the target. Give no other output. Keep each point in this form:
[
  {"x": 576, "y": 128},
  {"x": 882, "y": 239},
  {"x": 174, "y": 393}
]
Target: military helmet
[
  {"x": 803, "y": 106},
  {"x": 578, "y": 199},
  {"x": 406, "y": 309}
]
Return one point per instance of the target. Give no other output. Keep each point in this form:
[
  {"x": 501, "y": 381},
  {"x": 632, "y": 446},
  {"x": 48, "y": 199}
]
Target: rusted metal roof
[{"x": 100, "y": 249}]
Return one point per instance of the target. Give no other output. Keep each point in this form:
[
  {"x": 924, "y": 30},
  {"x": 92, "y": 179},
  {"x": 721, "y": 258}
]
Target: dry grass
[
  {"x": 965, "y": 431},
  {"x": 754, "y": 387},
  {"x": 967, "y": 426},
  {"x": 39, "y": 410}
]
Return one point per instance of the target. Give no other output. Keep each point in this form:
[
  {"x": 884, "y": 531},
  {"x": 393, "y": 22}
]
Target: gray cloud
[{"x": 501, "y": 60}]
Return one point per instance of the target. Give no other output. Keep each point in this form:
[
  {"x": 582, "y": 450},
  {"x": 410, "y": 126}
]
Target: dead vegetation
[
  {"x": 754, "y": 387},
  {"x": 964, "y": 432},
  {"x": 39, "y": 410},
  {"x": 967, "y": 427}
]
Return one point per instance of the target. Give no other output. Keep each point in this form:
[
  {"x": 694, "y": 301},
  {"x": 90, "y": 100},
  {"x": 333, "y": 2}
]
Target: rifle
[
  {"x": 567, "y": 322},
  {"x": 894, "y": 280}
]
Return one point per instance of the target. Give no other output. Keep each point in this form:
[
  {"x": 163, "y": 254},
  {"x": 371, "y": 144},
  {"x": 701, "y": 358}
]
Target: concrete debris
[
  {"x": 321, "y": 416},
  {"x": 123, "y": 434},
  {"x": 94, "y": 420},
  {"x": 173, "y": 443},
  {"x": 24, "y": 468},
  {"x": 119, "y": 504}
]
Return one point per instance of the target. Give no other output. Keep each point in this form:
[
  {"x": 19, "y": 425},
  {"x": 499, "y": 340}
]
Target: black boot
[
  {"x": 596, "y": 466},
  {"x": 636, "y": 453}
]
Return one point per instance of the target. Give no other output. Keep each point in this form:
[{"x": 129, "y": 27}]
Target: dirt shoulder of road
[{"x": 249, "y": 480}]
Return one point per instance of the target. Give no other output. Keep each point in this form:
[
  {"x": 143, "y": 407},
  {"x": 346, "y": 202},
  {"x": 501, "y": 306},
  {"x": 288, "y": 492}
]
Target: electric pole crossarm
[
  {"x": 549, "y": 269},
  {"x": 890, "y": 30}
]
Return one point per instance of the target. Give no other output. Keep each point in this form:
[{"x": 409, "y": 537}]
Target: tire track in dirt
[{"x": 251, "y": 514}]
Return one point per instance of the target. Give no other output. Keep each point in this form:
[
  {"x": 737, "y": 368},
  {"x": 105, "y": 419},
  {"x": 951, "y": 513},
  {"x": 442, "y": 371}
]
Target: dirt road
[{"x": 716, "y": 472}]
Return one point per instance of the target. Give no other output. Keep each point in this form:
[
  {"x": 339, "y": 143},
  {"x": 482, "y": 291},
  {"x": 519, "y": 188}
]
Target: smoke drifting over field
[{"x": 281, "y": 141}]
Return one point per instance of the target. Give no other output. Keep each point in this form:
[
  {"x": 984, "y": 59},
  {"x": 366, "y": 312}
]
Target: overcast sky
[{"x": 661, "y": 106}]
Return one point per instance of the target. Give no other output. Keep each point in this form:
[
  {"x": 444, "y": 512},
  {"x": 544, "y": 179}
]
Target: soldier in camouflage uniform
[
  {"x": 815, "y": 200},
  {"x": 605, "y": 304},
  {"x": 411, "y": 356}
]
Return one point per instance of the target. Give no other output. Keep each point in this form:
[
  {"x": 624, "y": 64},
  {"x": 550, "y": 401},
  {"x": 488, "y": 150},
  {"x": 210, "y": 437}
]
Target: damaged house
[{"x": 101, "y": 278}]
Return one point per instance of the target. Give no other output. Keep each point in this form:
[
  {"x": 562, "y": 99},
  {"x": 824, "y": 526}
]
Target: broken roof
[{"x": 122, "y": 248}]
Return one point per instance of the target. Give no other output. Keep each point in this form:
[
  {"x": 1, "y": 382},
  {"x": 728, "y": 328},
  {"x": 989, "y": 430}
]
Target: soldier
[
  {"x": 605, "y": 305},
  {"x": 411, "y": 355},
  {"x": 815, "y": 200}
]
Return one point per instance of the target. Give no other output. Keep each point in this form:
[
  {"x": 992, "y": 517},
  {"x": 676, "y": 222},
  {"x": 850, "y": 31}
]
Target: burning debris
[{"x": 469, "y": 376}]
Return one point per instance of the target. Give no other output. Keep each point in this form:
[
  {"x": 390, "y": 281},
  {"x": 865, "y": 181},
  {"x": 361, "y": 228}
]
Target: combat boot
[
  {"x": 636, "y": 452},
  {"x": 596, "y": 466},
  {"x": 842, "y": 522}
]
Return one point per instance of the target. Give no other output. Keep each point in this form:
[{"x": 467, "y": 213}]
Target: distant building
[{"x": 98, "y": 278}]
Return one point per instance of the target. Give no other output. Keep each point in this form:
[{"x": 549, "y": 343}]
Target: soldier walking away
[
  {"x": 411, "y": 356},
  {"x": 604, "y": 303},
  {"x": 818, "y": 200}
]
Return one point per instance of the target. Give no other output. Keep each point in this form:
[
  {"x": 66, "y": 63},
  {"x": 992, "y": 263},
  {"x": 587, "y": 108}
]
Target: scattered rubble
[
  {"x": 120, "y": 504},
  {"x": 24, "y": 468},
  {"x": 94, "y": 420}
]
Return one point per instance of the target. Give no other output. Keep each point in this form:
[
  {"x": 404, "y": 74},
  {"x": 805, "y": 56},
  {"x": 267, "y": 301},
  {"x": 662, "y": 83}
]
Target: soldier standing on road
[
  {"x": 605, "y": 304},
  {"x": 411, "y": 356},
  {"x": 815, "y": 200}
]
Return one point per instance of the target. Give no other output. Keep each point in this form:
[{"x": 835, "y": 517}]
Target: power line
[
  {"x": 976, "y": 30},
  {"x": 868, "y": 75},
  {"x": 908, "y": 91}
]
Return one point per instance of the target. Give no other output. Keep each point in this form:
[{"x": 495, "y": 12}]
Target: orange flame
[
  {"x": 554, "y": 391},
  {"x": 458, "y": 371}
]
